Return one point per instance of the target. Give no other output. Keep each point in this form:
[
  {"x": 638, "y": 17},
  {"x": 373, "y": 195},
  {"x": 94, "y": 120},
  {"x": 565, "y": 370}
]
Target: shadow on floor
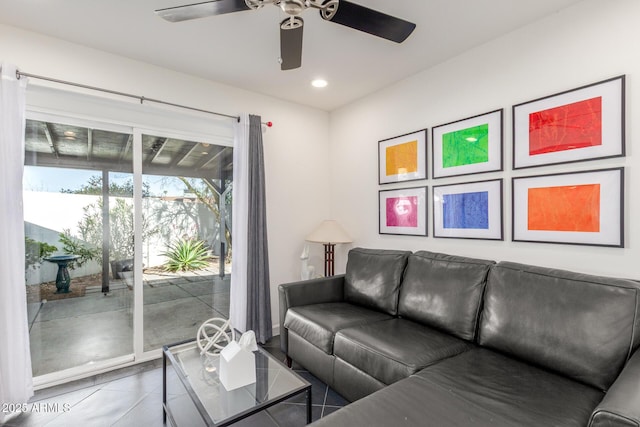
[{"x": 133, "y": 397}]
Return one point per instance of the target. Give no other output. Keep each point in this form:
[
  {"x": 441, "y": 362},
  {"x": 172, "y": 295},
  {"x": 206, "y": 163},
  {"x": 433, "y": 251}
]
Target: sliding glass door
[
  {"x": 78, "y": 215},
  {"x": 128, "y": 238},
  {"x": 186, "y": 235}
]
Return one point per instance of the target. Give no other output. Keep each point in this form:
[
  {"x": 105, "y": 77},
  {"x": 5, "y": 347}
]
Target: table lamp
[{"x": 329, "y": 233}]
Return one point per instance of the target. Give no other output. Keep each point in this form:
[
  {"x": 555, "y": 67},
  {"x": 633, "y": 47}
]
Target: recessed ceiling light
[
  {"x": 319, "y": 83},
  {"x": 69, "y": 133}
]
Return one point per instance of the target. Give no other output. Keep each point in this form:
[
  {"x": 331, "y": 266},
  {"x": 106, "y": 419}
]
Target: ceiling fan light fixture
[
  {"x": 319, "y": 83},
  {"x": 329, "y": 9},
  {"x": 293, "y": 7},
  {"x": 341, "y": 12}
]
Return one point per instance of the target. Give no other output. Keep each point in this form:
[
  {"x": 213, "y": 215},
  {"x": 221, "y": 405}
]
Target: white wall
[
  {"x": 296, "y": 153},
  {"x": 589, "y": 42}
]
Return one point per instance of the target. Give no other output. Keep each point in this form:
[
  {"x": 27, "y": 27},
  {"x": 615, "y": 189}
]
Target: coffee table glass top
[{"x": 274, "y": 383}]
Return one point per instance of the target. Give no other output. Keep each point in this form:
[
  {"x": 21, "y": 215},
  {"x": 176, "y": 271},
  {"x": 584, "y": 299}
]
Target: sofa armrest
[
  {"x": 621, "y": 405},
  {"x": 314, "y": 291}
]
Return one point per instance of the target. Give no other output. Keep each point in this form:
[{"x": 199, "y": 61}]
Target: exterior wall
[
  {"x": 48, "y": 214},
  {"x": 586, "y": 43}
]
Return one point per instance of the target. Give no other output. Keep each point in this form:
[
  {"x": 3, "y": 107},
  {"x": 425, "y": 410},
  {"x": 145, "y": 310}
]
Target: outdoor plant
[
  {"x": 205, "y": 212},
  {"x": 35, "y": 252},
  {"x": 86, "y": 252},
  {"x": 121, "y": 231},
  {"x": 120, "y": 220},
  {"x": 186, "y": 255}
]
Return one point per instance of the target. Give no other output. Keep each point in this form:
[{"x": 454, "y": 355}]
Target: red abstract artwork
[{"x": 568, "y": 127}]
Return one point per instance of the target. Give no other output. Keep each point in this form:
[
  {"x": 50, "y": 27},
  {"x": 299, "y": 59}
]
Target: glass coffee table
[{"x": 192, "y": 394}]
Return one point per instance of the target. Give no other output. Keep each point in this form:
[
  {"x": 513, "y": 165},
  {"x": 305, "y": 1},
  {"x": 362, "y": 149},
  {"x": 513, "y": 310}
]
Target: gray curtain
[{"x": 258, "y": 286}]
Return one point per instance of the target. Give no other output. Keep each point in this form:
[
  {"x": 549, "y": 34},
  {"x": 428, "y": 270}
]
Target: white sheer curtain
[
  {"x": 239, "y": 224},
  {"x": 16, "y": 383}
]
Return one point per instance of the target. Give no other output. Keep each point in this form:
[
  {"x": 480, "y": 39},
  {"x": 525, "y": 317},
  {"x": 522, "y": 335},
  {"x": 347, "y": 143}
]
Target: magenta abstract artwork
[{"x": 402, "y": 211}]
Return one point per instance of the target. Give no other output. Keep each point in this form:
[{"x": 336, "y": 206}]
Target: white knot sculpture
[{"x": 214, "y": 335}]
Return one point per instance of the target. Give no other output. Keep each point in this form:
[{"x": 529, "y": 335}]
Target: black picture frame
[
  {"x": 582, "y": 124},
  {"x": 577, "y": 208},
  {"x": 403, "y": 158},
  {"x": 468, "y": 146},
  {"x": 403, "y": 211}
]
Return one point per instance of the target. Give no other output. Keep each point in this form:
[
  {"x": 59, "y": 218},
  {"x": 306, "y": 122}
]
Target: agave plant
[{"x": 186, "y": 255}]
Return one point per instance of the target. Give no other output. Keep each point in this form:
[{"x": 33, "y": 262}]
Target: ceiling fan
[{"x": 339, "y": 11}]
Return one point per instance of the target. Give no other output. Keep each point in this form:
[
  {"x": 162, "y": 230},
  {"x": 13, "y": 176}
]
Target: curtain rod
[{"x": 128, "y": 95}]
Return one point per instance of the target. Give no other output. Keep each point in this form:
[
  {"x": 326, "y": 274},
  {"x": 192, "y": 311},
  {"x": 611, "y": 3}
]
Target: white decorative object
[
  {"x": 248, "y": 341},
  {"x": 306, "y": 271},
  {"x": 214, "y": 334},
  {"x": 237, "y": 366},
  {"x": 304, "y": 261}
]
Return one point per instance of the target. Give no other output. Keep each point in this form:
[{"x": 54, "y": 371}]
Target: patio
[{"x": 77, "y": 331}]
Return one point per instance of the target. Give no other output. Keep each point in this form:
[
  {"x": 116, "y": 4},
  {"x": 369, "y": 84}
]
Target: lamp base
[{"x": 328, "y": 259}]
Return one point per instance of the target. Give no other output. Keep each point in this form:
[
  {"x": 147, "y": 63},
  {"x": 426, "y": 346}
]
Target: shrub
[
  {"x": 73, "y": 246},
  {"x": 186, "y": 255},
  {"x": 35, "y": 252}
]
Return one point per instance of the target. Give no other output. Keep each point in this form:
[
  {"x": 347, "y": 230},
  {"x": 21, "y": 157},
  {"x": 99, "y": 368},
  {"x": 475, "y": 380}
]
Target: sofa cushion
[
  {"x": 516, "y": 393},
  {"x": 444, "y": 291},
  {"x": 318, "y": 323},
  {"x": 393, "y": 349},
  {"x": 477, "y": 388},
  {"x": 579, "y": 325},
  {"x": 373, "y": 278}
]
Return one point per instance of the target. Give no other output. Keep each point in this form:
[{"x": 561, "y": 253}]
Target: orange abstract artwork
[
  {"x": 566, "y": 208},
  {"x": 402, "y": 158}
]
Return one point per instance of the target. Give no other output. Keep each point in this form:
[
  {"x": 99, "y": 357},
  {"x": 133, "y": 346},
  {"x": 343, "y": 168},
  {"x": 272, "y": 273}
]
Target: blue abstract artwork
[{"x": 466, "y": 210}]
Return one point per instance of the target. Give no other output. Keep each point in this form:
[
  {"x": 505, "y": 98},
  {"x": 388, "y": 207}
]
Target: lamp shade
[{"x": 329, "y": 231}]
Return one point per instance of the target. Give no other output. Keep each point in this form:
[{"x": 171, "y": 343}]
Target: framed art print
[
  {"x": 403, "y": 158},
  {"x": 468, "y": 146},
  {"x": 470, "y": 211},
  {"x": 581, "y": 124},
  {"x": 581, "y": 208},
  {"x": 403, "y": 211}
]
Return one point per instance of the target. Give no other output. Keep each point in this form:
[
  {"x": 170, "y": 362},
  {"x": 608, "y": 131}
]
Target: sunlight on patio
[{"x": 89, "y": 326}]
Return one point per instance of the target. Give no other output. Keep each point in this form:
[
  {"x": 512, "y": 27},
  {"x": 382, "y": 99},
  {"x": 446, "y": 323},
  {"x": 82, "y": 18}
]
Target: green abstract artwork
[{"x": 466, "y": 146}]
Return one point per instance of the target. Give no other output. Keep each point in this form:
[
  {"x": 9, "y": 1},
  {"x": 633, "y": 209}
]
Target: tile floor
[{"x": 133, "y": 397}]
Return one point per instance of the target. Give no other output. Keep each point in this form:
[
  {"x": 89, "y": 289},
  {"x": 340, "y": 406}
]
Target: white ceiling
[{"x": 241, "y": 49}]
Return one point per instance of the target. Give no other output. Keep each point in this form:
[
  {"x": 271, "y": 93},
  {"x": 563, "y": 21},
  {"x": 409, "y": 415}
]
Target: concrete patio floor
[{"x": 78, "y": 331}]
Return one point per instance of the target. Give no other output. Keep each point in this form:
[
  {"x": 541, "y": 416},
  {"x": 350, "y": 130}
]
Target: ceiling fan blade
[
  {"x": 201, "y": 10},
  {"x": 291, "y": 43},
  {"x": 371, "y": 21}
]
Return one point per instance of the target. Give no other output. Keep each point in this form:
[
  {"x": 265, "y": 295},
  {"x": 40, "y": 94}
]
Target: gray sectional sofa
[{"x": 429, "y": 339}]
